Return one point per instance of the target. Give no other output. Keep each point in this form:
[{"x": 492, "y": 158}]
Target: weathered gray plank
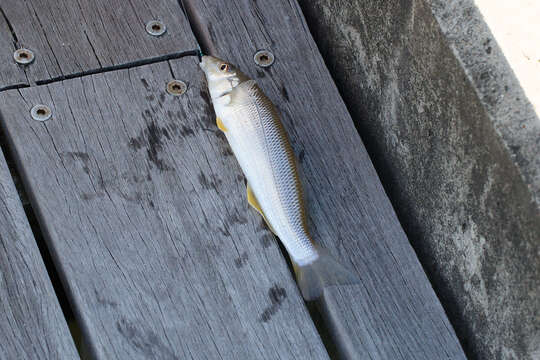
[
  {"x": 393, "y": 313},
  {"x": 145, "y": 210},
  {"x": 31, "y": 322},
  {"x": 10, "y": 73},
  {"x": 70, "y": 37}
]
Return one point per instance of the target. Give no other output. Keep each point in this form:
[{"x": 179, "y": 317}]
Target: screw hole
[
  {"x": 155, "y": 28},
  {"x": 41, "y": 112},
  {"x": 176, "y": 87},
  {"x": 23, "y": 56},
  {"x": 263, "y": 58}
]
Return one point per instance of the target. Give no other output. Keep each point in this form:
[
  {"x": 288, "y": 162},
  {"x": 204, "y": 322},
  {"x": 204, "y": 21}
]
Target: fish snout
[
  {"x": 209, "y": 63},
  {"x": 204, "y": 63}
]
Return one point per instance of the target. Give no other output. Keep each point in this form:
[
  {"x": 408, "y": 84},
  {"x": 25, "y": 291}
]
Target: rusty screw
[
  {"x": 263, "y": 58},
  {"x": 156, "y": 28},
  {"x": 41, "y": 112},
  {"x": 23, "y": 56},
  {"x": 176, "y": 87}
]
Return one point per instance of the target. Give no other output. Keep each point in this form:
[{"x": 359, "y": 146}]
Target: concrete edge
[{"x": 513, "y": 116}]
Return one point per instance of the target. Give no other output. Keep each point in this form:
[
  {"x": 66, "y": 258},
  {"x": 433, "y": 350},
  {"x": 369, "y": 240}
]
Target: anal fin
[
  {"x": 252, "y": 200},
  {"x": 220, "y": 125}
]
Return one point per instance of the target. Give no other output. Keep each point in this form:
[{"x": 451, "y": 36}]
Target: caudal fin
[{"x": 325, "y": 271}]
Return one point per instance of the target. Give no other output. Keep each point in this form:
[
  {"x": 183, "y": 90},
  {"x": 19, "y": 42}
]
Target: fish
[{"x": 260, "y": 143}]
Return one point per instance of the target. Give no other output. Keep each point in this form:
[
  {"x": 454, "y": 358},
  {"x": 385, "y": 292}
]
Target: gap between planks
[{"x": 105, "y": 69}]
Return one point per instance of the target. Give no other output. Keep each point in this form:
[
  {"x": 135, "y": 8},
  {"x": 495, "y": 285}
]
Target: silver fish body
[{"x": 260, "y": 144}]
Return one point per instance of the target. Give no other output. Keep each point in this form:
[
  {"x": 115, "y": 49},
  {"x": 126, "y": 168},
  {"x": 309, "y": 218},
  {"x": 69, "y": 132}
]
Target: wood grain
[
  {"x": 32, "y": 325},
  {"x": 72, "y": 37},
  {"x": 393, "y": 313},
  {"x": 144, "y": 208},
  {"x": 10, "y": 73}
]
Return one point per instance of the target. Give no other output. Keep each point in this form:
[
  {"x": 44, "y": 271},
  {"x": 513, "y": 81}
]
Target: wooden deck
[{"x": 143, "y": 207}]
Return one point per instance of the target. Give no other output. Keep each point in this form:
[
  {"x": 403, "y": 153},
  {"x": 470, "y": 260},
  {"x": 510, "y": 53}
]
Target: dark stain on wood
[
  {"x": 162, "y": 97},
  {"x": 181, "y": 114},
  {"x": 301, "y": 156},
  {"x": 266, "y": 241},
  {"x": 206, "y": 97},
  {"x": 268, "y": 238},
  {"x": 241, "y": 260},
  {"x": 221, "y": 136},
  {"x": 237, "y": 219},
  {"x": 209, "y": 183},
  {"x": 185, "y": 131},
  {"x": 80, "y": 156},
  {"x": 284, "y": 92},
  {"x": 152, "y": 137},
  {"x": 224, "y": 231},
  {"x": 276, "y": 294},
  {"x": 103, "y": 301},
  {"x": 226, "y": 151},
  {"x": 88, "y": 196},
  {"x": 146, "y": 85},
  {"x": 147, "y": 342}
]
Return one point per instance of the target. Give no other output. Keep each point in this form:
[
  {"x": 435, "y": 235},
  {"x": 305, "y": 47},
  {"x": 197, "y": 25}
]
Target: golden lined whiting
[{"x": 260, "y": 144}]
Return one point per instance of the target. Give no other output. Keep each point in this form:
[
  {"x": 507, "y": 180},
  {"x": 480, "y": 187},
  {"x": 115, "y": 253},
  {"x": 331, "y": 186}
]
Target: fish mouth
[{"x": 203, "y": 63}]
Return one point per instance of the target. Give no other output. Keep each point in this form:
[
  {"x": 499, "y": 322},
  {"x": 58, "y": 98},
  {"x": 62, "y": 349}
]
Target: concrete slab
[{"x": 455, "y": 141}]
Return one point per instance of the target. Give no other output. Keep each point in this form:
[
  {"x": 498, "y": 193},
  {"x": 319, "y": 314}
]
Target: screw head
[
  {"x": 264, "y": 58},
  {"x": 155, "y": 28},
  {"x": 176, "y": 87},
  {"x": 23, "y": 56},
  {"x": 41, "y": 112}
]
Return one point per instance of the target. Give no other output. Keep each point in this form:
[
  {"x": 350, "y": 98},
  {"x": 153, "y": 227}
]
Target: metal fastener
[
  {"x": 23, "y": 56},
  {"x": 41, "y": 112},
  {"x": 156, "y": 28},
  {"x": 176, "y": 87},
  {"x": 263, "y": 58}
]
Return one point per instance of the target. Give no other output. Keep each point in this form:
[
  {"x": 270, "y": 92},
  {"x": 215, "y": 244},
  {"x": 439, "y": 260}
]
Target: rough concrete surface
[
  {"x": 516, "y": 27},
  {"x": 456, "y": 143}
]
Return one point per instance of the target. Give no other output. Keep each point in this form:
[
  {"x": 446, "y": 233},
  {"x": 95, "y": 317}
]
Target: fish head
[{"x": 222, "y": 76}]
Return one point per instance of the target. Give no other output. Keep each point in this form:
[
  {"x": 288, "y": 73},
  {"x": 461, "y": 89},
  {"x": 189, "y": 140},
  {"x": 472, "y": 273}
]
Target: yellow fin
[
  {"x": 220, "y": 125},
  {"x": 252, "y": 200}
]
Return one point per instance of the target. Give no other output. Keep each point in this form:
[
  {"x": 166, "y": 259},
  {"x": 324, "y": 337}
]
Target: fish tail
[{"x": 324, "y": 271}]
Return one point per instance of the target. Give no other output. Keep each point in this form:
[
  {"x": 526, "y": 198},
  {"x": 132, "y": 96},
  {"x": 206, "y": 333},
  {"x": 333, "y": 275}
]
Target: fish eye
[{"x": 224, "y": 67}]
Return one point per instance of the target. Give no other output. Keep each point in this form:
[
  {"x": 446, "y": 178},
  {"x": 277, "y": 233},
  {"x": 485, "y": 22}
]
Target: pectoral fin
[
  {"x": 252, "y": 200},
  {"x": 220, "y": 125}
]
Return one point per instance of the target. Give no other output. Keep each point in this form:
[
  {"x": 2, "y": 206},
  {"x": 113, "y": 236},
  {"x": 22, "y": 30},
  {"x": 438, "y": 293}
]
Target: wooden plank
[
  {"x": 10, "y": 73},
  {"x": 32, "y": 325},
  {"x": 145, "y": 210},
  {"x": 72, "y": 37},
  {"x": 393, "y": 313}
]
